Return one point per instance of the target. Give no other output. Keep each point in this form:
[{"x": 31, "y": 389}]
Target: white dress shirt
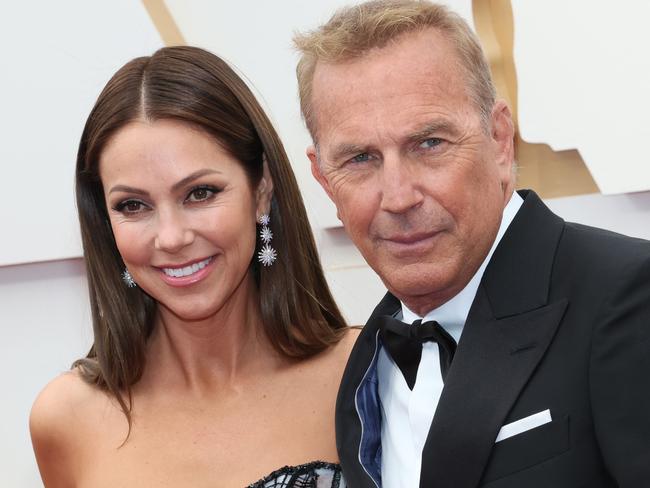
[{"x": 406, "y": 415}]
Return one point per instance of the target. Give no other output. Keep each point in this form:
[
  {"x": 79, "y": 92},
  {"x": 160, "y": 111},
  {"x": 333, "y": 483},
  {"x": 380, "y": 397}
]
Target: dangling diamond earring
[
  {"x": 267, "y": 255},
  {"x": 128, "y": 279}
]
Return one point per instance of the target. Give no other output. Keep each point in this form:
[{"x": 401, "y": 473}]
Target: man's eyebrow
[
  {"x": 346, "y": 149},
  {"x": 185, "y": 181},
  {"x": 432, "y": 128}
]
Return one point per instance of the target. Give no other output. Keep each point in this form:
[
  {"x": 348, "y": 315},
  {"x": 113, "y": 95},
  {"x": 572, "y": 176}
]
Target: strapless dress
[{"x": 317, "y": 474}]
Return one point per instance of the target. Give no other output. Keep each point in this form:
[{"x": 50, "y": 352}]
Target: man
[{"x": 549, "y": 384}]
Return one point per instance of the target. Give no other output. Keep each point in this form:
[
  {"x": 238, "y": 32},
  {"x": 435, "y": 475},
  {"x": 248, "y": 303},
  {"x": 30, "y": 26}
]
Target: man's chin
[{"x": 419, "y": 291}]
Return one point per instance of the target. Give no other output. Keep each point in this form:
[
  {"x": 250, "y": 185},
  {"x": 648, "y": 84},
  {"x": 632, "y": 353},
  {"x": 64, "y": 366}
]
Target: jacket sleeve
[{"x": 620, "y": 375}]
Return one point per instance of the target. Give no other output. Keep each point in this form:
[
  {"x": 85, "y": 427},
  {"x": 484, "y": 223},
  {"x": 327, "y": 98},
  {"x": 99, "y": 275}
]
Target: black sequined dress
[{"x": 317, "y": 474}]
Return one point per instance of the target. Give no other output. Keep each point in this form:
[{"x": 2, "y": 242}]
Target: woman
[{"x": 217, "y": 346}]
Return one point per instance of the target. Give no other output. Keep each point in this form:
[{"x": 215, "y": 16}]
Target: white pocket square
[{"x": 523, "y": 425}]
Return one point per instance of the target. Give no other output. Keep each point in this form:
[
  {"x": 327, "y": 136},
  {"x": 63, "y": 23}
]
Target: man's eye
[
  {"x": 201, "y": 194},
  {"x": 130, "y": 207},
  {"x": 429, "y": 143},
  {"x": 360, "y": 158}
]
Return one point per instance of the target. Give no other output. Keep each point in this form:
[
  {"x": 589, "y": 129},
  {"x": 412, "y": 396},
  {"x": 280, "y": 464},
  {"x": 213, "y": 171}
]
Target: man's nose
[
  {"x": 399, "y": 186},
  {"x": 173, "y": 231}
]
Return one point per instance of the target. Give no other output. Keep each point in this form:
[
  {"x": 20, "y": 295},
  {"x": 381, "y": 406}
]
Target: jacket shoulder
[{"x": 602, "y": 251}]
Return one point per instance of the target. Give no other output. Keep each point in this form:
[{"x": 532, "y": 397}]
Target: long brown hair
[{"x": 194, "y": 86}]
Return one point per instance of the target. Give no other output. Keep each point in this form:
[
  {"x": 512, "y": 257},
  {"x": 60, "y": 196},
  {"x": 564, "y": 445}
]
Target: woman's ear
[{"x": 264, "y": 191}]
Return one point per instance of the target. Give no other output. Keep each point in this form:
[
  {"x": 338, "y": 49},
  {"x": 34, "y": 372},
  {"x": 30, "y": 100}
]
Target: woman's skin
[{"x": 216, "y": 406}]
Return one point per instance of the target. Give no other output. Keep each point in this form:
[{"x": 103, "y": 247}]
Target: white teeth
[{"x": 187, "y": 270}]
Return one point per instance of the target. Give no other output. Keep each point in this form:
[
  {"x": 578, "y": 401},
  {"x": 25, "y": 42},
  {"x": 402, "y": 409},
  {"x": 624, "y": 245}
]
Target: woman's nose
[{"x": 173, "y": 232}]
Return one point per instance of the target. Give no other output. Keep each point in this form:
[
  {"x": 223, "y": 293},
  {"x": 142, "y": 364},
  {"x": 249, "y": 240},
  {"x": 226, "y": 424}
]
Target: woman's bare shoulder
[
  {"x": 55, "y": 426},
  {"x": 61, "y": 400},
  {"x": 347, "y": 342},
  {"x": 340, "y": 352}
]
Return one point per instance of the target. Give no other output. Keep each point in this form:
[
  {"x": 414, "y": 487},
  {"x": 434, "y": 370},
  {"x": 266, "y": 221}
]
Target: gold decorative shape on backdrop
[
  {"x": 164, "y": 22},
  {"x": 550, "y": 173}
]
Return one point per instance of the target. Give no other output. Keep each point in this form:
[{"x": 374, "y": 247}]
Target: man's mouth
[{"x": 410, "y": 238}]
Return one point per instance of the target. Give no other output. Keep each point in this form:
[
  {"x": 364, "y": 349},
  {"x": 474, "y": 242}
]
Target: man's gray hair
[{"x": 355, "y": 30}]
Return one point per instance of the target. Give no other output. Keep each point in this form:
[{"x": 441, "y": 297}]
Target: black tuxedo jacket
[{"x": 561, "y": 321}]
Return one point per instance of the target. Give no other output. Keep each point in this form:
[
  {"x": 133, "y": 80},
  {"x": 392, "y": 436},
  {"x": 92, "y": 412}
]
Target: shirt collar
[{"x": 452, "y": 314}]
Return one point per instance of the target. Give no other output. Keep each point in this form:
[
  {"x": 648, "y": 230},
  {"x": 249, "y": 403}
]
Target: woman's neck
[{"x": 213, "y": 353}]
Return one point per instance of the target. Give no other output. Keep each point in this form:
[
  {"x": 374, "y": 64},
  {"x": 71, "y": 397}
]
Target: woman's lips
[{"x": 187, "y": 273}]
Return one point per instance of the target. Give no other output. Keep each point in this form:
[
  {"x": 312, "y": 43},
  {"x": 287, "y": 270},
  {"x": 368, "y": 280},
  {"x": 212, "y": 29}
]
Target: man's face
[{"x": 419, "y": 181}]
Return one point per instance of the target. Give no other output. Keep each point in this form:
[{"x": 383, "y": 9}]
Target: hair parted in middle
[
  {"x": 355, "y": 30},
  {"x": 193, "y": 86}
]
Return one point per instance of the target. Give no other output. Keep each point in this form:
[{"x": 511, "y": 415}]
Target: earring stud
[{"x": 128, "y": 279}]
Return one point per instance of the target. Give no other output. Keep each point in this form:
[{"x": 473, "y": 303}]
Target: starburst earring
[
  {"x": 267, "y": 255},
  {"x": 128, "y": 279}
]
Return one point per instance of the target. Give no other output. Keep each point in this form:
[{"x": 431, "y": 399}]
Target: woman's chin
[{"x": 190, "y": 312}]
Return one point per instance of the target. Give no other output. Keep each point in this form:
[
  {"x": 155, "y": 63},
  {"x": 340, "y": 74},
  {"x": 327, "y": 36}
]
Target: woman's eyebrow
[
  {"x": 194, "y": 176},
  {"x": 185, "y": 181}
]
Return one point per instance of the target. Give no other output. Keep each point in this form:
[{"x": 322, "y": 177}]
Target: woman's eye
[
  {"x": 130, "y": 207},
  {"x": 429, "y": 143},
  {"x": 201, "y": 194}
]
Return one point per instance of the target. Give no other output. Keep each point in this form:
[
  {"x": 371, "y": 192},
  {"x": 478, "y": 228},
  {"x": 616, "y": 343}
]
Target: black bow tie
[{"x": 404, "y": 344}]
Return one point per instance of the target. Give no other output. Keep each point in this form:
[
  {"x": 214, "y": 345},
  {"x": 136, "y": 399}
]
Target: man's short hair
[{"x": 353, "y": 31}]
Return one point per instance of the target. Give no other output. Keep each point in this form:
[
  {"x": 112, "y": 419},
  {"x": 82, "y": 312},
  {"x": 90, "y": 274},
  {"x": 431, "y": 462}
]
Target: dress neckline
[{"x": 293, "y": 470}]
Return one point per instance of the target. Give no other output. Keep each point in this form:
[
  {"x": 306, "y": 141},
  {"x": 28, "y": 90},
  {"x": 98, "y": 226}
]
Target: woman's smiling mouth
[{"x": 186, "y": 274}]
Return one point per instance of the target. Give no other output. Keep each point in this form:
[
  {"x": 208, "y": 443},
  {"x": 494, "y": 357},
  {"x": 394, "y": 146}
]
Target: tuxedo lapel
[
  {"x": 494, "y": 360},
  {"x": 508, "y": 331},
  {"x": 349, "y": 430},
  {"x": 389, "y": 305}
]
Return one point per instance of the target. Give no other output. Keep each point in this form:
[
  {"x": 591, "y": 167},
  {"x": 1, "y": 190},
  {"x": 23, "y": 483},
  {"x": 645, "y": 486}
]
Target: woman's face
[{"x": 183, "y": 214}]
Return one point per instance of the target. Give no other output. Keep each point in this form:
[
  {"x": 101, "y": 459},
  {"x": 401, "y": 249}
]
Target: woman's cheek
[{"x": 132, "y": 242}]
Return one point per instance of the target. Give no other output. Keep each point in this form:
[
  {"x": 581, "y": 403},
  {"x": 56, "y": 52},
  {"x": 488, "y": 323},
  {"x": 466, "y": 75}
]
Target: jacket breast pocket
[{"x": 527, "y": 449}]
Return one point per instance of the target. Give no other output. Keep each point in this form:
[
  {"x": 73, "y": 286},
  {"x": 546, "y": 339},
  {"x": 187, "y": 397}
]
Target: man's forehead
[
  {"x": 389, "y": 78},
  {"x": 425, "y": 47}
]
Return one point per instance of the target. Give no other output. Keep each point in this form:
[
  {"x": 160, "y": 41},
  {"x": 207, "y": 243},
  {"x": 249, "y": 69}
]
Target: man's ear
[
  {"x": 317, "y": 171},
  {"x": 264, "y": 191},
  {"x": 502, "y": 132}
]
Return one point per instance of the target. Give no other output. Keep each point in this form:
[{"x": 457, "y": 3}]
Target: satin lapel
[
  {"x": 388, "y": 306},
  {"x": 493, "y": 362},
  {"x": 348, "y": 426}
]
